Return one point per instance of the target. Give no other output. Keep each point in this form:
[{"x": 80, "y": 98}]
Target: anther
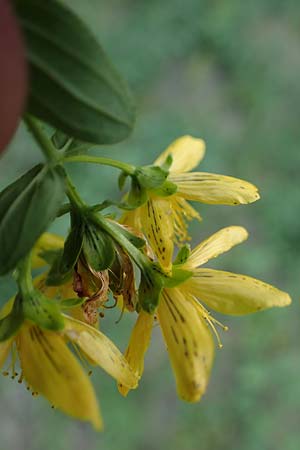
[{"x": 20, "y": 378}]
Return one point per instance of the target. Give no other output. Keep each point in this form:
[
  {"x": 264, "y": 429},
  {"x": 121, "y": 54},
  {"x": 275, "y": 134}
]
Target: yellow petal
[
  {"x": 52, "y": 370},
  {"x": 215, "y": 245},
  {"x": 101, "y": 350},
  {"x": 230, "y": 293},
  {"x": 47, "y": 241},
  {"x": 157, "y": 225},
  {"x": 189, "y": 342},
  {"x": 4, "y": 350},
  {"x": 187, "y": 152},
  {"x": 132, "y": 219},
  {"x": 138, "y": 345},
  {"x": 214, "y": 189}
]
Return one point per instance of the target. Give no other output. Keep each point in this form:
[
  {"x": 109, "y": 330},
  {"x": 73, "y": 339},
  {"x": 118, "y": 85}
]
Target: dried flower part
[
  {"x": 94, "y": 286},
  {"x": 122, "y": 280}
]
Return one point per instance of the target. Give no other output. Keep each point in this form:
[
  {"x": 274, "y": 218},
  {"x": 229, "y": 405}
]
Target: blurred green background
[{"x": 226, "y": 71}]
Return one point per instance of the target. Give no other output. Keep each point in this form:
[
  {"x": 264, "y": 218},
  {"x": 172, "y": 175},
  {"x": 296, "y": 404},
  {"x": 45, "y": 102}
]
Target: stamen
[
  {"x": 14, "y": 356},
  {"x": 20, "y": 380},
  {"x": 111, "y": 306},
  {"x": 212, "y": 322},
  {"x": 182, "y": 212},
  {"x": 121, "y": 315},
  {"x": 12, "y": 364}
]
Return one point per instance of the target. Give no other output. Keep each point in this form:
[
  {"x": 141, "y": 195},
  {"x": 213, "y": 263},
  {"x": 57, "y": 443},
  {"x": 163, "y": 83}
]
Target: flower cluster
[{"x": 54, "y": 319}]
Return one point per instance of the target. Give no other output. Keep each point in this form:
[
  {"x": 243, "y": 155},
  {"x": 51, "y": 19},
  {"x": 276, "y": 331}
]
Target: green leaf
[
  {"x": 98, "y": 248},
  {"x": 73, "y": 84},
  {"x": 42, "y": 311},
  {"x": 151, "y": 177},
  {"x": 27, "y": 207},
  {"x": 11, "y": 323}
]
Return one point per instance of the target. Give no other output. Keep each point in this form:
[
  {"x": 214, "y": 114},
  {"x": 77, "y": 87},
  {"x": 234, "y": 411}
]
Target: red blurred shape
[{"x": 13, "y": 73}]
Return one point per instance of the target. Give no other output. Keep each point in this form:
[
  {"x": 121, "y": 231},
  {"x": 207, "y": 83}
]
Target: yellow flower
[
  {"x": 51, "y": 369},
  {"x": 163, "y": 218},
  {"x": 186, "y": 324}
]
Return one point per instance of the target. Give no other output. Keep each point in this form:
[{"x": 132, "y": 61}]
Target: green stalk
[
  {"x": 24, "y": 276},
  {"x": 42, "y": 140},
  {"x": 73, "y": 195},
  {"x": 129, "y": 169}
]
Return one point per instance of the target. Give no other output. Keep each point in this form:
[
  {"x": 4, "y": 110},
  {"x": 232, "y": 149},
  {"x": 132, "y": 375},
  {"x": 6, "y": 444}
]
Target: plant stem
[
  {"x": 127, "y": 168},
  {"x": 42, "y": 139},
  {"x": 24, "y": 276},
  {"x": 73, "y": 195}
]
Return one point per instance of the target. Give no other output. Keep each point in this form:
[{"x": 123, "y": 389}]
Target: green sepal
[
  {"x": 122, "y": 179},
  {"x": 41, "y": 310},
  {"x": 151, "y": 177},
  {"x": 69, "y": 303},
  {"x": 178, "y": 277},
  {"x": 55, "y": 276},
  {"x": 73, "y": 245},
  {"x": 150, "y": 288},
  {"x": 166, "y": 189},
  {"x": 183, "y": 254},
  {"x": 11, "y": 323},
  {"x": 98, "y": 247},
  {"x": 167, "y": 163},
  {"x": 27, "y": 207},
  {"x": 73, "y": 84},
  {"x": 137, "y": 195},
  {"x": 137, "y": 241},
  {"x": 63, "y": 265}
]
